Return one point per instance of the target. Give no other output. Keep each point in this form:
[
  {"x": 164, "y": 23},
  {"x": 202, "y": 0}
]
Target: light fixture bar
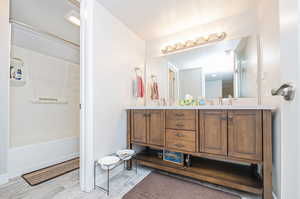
[
  {"x": 75, "y": 3},
  {"x": 73, "y": 17},
  {"x": 74, "y": 20},
  {"x": 194, "y": 43}
]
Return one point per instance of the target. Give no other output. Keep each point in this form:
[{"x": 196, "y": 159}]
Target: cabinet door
[
  {"x": 213, "y": 132},
  {"x": 156, "y": 127},
  {"x": 245, "y": 134},
  {"x": 139, "y": 126}
]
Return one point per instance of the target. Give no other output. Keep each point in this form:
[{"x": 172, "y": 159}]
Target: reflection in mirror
[
  {"x": 221, "y": 70},
  {"x": 219, "y": 85},
  {"x": 191, "y": 82}
]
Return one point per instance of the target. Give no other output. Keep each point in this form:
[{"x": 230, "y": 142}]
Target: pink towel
[
  {"x": 154, "y": 91},
  {"x": 140, "y": 87}
]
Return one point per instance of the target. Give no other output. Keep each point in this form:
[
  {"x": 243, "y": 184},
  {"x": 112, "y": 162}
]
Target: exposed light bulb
[
  {"x": 193, "y": 43},
  {"x": 74, "y": 20}
]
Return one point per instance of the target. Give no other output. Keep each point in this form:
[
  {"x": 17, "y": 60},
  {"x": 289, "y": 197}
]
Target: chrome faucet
[{"x": 220, "y": 101}]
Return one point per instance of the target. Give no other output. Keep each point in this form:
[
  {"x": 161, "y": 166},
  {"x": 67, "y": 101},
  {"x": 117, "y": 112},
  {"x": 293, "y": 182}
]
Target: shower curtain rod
[{"x": 34, "y": 29}]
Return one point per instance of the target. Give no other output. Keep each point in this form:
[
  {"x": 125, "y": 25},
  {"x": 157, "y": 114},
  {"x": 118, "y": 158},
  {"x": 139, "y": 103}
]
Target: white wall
[
  {"x": 248, "y": 81},
  {"x": 4, "y": 87},
  {"x": 235, "y": 26},
  {"x": 47, "y": 76},
  {"x": 270, "y": 63},
  {"x": 117, "y": 51},
  {"x": 270, "y": 38},
  {"x": 159, "y": 68},
  {"x": 213, "y": 89}
]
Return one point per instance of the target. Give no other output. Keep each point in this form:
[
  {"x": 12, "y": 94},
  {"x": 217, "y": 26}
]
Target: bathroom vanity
[{"x": 228, "y": 145}]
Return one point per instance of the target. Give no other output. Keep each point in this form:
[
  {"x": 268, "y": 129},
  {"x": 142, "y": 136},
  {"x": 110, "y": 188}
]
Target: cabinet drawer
[
  {"x": 189, "y": 136},
  {"x": 181, "y": 124},
  {"x": 181, "y": 115},
  {"x": 181, "y": 140}
]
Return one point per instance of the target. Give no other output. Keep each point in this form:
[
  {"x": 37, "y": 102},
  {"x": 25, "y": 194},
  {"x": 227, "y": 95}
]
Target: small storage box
[{"x": 174, "y": 157}]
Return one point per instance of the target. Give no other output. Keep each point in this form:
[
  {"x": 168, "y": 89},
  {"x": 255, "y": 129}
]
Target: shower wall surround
[
  {"x": 51, "y": 72},
  {"x": 47, "y": 77}
]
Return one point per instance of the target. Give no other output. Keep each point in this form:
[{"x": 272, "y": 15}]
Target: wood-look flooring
[{"x": 68, "y": 187}]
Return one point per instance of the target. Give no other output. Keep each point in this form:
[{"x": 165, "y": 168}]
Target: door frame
[
  {"x": 4, "y": 87},
  {"x": 290, "y": 111},
  {"x": 86, "y": 95},
  {"x": 173, "y": 68}
]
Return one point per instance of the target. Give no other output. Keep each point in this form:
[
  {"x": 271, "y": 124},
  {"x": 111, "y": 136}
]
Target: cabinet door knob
[
  {"x": 179, "y": 135},
  {"x": 223, "y": 117}
]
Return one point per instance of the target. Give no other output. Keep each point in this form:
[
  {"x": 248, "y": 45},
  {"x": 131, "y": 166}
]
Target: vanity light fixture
[
  {"x": 75, "y": 3},
  {"x": 73, "y": 17},
  {"x": 193, "y": 43}
]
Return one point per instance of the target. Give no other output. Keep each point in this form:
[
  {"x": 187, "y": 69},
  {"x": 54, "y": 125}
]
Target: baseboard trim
[
  {"x": 3, "y": 179},
  {"x": 30, "y": 158}
]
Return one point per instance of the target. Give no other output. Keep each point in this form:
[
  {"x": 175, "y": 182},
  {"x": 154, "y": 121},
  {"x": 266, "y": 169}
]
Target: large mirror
[{"x": 220, "y": 70}]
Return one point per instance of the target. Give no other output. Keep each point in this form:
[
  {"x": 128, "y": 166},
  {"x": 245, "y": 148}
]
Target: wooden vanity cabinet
[
  {"x": 213, "y": 131},
  {"x": 181, "y": 130},
  {"x": 245, "y": 134},
  {"x": 233, "y": 133},
  {"x": 214, "y": 138},
  {"x": 156, "y": 127},
  {"x": 139, "y": 126},
  {"x": 181, "y": 119},
  {"x": 148, "y": 127},
  {"x": 180, "y": 140}
]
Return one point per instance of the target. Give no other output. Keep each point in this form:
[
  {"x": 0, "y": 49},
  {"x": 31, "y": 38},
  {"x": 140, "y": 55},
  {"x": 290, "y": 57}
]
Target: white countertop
[{"x": 222, "y": 107}]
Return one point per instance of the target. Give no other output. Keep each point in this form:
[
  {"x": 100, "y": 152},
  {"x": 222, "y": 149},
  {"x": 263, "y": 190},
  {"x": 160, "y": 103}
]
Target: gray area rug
[{"x": 159, "y": 186}]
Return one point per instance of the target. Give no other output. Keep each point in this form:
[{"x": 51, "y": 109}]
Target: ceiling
[
  {"x": 156, "y": 18},
  {"x": 47, "y": 15}
]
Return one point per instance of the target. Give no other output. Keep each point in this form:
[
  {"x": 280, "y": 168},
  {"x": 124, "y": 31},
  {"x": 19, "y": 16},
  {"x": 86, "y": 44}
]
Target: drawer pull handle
[
  {"x": 179, "y": 145},
  {"x": 223, "y": 118},
  {"x": 179, "y": 114},
  {"x": 180, "y": 125},
  {"x": 179, "y": 135}
]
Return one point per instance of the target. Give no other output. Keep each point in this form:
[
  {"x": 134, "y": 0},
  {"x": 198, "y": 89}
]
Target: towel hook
[
  {"x": 153, "y": 77},
  {"x": 137, "y": 70}
]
